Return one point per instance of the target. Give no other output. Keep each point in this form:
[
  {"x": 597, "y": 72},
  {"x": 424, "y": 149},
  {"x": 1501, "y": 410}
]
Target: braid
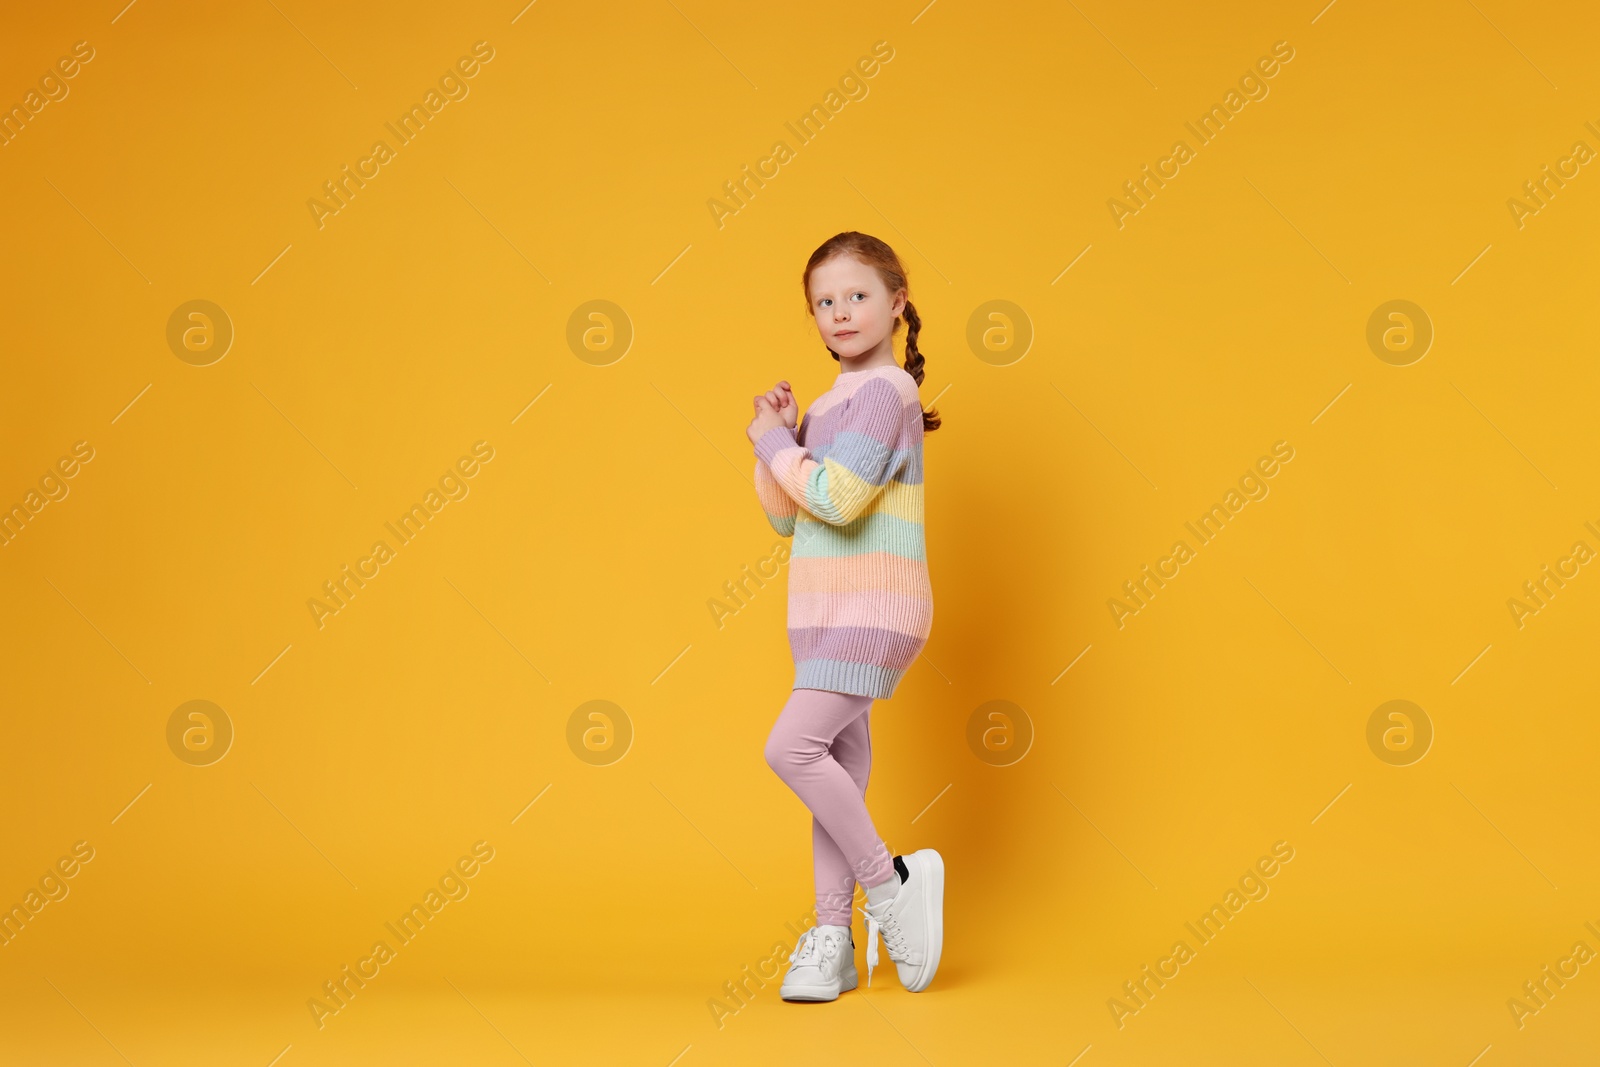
[{"x": 914, "y": 362}]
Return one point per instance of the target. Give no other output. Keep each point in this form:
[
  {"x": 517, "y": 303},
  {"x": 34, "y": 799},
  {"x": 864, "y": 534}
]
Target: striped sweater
[{"x": 848, "y": 488}]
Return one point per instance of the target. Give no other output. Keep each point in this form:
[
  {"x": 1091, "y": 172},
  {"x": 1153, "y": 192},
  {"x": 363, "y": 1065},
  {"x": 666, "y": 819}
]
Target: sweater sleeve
[
  {"x": 780, "y": 509},
  {"x": 858, "y": 463}
]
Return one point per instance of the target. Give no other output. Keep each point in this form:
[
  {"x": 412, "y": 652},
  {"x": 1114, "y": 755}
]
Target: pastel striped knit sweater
[{"x": 848, "y": 488}]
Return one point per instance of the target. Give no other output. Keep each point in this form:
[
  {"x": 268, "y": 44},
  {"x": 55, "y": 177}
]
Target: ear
[{"x": 899, "y": 304}]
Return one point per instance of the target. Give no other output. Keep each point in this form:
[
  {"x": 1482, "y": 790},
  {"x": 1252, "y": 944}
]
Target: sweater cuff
[{"x": 774, "y": 441}]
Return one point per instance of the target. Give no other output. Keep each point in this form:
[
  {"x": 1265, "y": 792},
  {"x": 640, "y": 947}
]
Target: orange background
[{"x": 432, "y": 312}]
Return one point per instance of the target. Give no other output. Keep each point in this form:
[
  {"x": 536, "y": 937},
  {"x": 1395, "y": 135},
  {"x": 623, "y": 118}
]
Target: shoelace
[
  {"x": 805, "y": 950},
  {"x": 893, "y": 936}
]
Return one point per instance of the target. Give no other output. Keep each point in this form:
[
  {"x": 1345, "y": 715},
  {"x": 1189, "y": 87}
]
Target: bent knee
[
  {"x": 787, "y": 753},
  {"x": 779, "y": 753}
]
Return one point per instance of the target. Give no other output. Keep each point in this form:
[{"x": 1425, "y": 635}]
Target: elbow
[
  {"x": 839, "y": 501},
  {"x": 827, "y": 510},
  {"x": 841, "y": 514},
  {"x": 844, "y": 508}
]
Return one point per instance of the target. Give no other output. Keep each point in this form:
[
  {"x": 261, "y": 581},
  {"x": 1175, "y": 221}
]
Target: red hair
[{"x": 879, "y": 256}]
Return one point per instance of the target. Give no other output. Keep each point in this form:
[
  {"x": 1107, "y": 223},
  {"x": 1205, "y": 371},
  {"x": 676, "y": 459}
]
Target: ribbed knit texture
[{"x": 848, "y": 488}]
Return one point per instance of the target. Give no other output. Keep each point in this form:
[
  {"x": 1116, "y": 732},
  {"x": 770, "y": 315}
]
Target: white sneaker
[
  {"x": 912, "y": 922},
  {"x": 823, "y": 965}
]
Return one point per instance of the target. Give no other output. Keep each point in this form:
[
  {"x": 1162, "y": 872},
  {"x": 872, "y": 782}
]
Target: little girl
[{"x": 848, "y": 488}]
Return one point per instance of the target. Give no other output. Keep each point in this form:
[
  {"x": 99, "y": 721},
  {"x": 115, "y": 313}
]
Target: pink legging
[{"x": 821, "y": 748}]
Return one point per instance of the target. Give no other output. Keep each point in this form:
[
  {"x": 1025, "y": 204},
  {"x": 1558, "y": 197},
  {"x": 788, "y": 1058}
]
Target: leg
[
  {"x": 798, "y": 750},
  {"x": 836, "y": 886}
]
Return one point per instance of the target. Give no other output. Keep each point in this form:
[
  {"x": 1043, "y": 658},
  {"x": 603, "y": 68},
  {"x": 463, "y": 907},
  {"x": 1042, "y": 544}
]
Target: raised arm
[{"x": 839, "y": 489}]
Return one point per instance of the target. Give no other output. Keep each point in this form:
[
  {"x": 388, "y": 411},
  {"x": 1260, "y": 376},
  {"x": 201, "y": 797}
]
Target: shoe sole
[
  {"x": 813, "y": 994},
  {"x": 933, "y": 905}
]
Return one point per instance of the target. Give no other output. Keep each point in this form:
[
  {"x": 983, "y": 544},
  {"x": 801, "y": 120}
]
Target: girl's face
[{"x": 855, "y": 311}]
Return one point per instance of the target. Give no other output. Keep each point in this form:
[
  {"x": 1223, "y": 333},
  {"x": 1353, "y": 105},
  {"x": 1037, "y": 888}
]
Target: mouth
[{"x": 842, "y": 334}]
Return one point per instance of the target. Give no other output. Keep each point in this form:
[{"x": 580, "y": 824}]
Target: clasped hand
[{"x": 776, "y": 407}]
